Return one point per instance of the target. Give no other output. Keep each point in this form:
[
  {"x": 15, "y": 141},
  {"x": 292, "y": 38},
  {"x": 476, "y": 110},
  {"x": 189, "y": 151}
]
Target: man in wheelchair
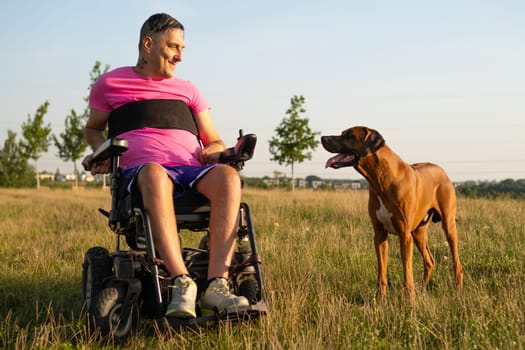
[{"x": 173, "y": 148}]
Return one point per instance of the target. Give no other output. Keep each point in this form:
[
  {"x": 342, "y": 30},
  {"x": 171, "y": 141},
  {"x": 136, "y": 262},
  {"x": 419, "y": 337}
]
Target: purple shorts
[{"x": 184, "y": 177}]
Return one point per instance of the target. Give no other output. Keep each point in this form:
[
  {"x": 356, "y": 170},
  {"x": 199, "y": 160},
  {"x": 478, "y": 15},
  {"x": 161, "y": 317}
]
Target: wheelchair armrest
[
  {"x": 110, "y": 148},
  {"x": 242, "y": 151}
]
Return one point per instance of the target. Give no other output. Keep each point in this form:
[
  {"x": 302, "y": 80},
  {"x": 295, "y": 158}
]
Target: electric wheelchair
[{"x": 121, "y": 287}]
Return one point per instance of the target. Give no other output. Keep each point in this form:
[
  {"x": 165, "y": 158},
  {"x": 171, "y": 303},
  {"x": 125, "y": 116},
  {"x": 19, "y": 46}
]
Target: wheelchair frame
[{"x": 120, "y": 287}]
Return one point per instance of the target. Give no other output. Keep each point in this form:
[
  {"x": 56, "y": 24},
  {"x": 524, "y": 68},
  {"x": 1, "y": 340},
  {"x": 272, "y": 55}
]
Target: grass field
[{"x": 319, "y": 268}]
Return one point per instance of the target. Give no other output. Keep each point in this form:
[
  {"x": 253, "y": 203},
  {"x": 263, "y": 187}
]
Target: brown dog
[{"x": 402, "y": 200}]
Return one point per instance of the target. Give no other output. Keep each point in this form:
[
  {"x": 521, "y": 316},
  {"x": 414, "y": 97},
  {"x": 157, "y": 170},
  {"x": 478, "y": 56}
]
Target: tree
[
  {"x": 15, "y": 171},
  {"x": 37, "y": 137},
  {"x": 310, "y": 179},
  {"x": 72, "y": 144},
  {"x": 294, "y": 140},
  {"x": 95, "y": 73}
]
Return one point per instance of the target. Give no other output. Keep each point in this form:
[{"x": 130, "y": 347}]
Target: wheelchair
[{"x": 122, "y": 287}]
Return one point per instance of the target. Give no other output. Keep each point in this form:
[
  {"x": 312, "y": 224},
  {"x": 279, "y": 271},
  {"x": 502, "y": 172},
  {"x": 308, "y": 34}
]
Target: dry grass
[{"x": 319, "y": 268}]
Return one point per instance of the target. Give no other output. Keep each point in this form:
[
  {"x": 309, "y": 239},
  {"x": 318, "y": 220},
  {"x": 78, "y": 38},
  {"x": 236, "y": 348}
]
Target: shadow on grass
[{"x": 33, "y": 302}]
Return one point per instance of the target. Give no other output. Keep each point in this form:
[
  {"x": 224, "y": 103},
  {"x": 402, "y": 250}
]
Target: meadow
[{"x": 319, "y": 269}]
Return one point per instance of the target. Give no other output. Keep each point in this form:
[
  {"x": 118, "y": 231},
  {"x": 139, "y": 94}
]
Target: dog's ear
[{"x": 373, "y": 141}]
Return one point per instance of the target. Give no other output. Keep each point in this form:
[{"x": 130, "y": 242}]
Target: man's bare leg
[
  {"x": 157, "y": 195},
  {"x": 222, "y": 186}
]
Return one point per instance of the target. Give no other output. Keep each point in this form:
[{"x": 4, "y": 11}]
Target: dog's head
[{"x": 351, "y": 145}]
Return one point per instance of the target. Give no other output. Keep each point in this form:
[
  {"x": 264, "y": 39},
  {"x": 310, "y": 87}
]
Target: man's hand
[
  {"x": 95, "y": 168},
  {"x": 211, "y": 153}
]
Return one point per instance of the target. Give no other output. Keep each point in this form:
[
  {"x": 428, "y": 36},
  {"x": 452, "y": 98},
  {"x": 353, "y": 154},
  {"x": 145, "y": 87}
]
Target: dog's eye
[{"x": 347, "y": 135}]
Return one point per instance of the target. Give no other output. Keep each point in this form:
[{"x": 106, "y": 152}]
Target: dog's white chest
[{"x": 385, "y": 217}]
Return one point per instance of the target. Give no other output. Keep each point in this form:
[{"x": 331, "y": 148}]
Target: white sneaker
[
  {"x": 218, "y": 297},
  {"x": 183, "y": 296}
]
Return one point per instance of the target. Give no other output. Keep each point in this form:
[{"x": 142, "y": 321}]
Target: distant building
[
  {"x": 317, "y": 184},
  {"x": 347, "y": 185},
  {"x": 301, "y": 183},
  {"x": 45, "y": 175},
  {"x": 71, "y": 177},
  {"x": 271, "y": 182}
]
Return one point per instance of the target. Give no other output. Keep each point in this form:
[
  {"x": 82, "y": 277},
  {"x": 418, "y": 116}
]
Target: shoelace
[
  {"x": 222, "y": 288},
  {"x": 181, "y": 288}
]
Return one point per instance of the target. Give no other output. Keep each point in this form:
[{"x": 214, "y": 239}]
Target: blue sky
[{"x": 442, "y": 81}]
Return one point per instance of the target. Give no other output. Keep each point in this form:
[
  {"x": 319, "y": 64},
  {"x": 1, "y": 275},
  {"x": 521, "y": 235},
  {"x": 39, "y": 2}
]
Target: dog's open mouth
[{"x": 341, "y": 160}]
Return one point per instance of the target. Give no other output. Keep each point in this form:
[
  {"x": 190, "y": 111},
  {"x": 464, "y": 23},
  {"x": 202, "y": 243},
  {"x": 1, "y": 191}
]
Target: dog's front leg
[
  {"x": 406, "y": 243},
  {"x": 381, "y": 247}
]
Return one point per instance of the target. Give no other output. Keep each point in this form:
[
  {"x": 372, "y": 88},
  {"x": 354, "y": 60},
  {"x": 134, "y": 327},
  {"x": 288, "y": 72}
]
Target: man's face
[{"x": 166, "y": 53}]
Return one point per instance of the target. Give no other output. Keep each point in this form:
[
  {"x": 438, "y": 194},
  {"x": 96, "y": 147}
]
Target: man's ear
[{"x": 147, "y": 43}]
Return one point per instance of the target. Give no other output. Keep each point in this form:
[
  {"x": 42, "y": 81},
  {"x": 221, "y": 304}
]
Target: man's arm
[
  {"x": 95, "y": 126},
  {"x": 94, "y": 134},
  {"x": 213, "y": 145}
]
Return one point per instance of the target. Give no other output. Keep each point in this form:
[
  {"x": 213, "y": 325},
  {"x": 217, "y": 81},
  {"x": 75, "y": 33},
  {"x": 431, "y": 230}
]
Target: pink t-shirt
[{"x": 149, "y": 145}]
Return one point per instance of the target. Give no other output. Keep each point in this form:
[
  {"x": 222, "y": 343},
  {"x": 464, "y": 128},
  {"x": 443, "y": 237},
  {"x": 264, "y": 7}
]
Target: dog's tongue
[{"x": 332, "y": 162}]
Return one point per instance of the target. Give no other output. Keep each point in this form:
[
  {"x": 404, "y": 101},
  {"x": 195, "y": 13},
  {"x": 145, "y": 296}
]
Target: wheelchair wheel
[
  {"x": 107, "y": 313},
  {"x": 249, "y": 288},
  {"x": 96, "y": 268}
]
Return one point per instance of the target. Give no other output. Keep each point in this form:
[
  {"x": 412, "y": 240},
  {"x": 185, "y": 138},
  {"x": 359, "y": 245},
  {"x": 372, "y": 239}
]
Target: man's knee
[
  {"x": 229, "y": 177},
  {"x": 223, "y": 179},
  {"x": 153, "y": 176}
]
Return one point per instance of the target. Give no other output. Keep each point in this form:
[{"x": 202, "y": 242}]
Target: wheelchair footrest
[{"x": 244, "y": 313}]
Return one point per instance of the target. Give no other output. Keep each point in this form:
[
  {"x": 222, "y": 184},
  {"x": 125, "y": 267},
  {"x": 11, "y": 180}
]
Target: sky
[{"x": 443, "y": 81}]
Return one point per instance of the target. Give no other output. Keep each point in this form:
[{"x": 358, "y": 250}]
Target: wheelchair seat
[{"x": 192, "y": 211}]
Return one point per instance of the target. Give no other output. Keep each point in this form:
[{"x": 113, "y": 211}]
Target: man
[{"x": 153, "y": 110}]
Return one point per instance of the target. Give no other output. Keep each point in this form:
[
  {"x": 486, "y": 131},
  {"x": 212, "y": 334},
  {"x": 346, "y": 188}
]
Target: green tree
[
  {"x": 15, "y": 170},
  {"x": 95, "y": 73},
  {"x": 310, "y": 179},
  {"x": 37, "y": 137},
  {"x": 294, "y": 140},
  {"x": 72, "y": 143}
]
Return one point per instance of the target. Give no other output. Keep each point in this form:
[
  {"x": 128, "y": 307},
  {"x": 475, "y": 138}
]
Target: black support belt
[{"x": 160, "y": 114}]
